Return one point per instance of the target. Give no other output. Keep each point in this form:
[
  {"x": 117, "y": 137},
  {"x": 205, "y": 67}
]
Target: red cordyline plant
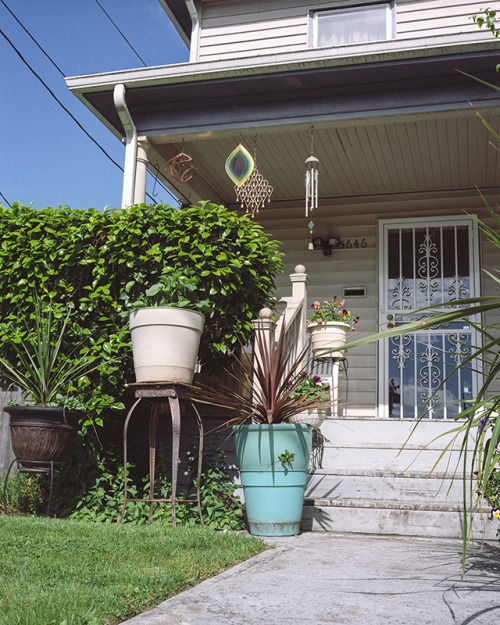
[{"x": 276, "y": 376}]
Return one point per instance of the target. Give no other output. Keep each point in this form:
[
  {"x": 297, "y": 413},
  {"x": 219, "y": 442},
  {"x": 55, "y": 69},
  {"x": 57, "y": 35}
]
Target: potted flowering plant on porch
[
  {"x": 328, "y": 326},
  {"x": 311, "y": 385},
  {"x": 272, "y": 451}
]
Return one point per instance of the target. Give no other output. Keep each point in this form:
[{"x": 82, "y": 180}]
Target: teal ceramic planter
[{"x": 274, "y": 494}]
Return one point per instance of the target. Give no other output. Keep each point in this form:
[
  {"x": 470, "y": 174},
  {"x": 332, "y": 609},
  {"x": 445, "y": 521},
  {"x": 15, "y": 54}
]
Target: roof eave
[
  {"x": 304, "y": 60},
  {"x": 179, "y": 16}
]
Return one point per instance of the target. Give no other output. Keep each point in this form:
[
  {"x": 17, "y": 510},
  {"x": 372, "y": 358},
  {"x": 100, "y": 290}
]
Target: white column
[{"x": 141, "y": 170}]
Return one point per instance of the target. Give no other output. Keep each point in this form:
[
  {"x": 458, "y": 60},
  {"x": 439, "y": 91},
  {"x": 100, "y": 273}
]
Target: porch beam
[{"x": 321, "y": 95}]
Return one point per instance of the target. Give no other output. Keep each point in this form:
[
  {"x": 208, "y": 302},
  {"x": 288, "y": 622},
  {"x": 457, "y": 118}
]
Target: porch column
[{"x": 141, "y": 167}]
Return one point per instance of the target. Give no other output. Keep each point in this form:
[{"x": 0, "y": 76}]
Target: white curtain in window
[{"x": 351, "y": 26}]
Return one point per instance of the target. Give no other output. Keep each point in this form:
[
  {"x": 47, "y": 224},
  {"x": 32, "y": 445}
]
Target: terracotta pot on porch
[
  {"x": 41, "y": 435},
  {"x": 327, "y": 339}
]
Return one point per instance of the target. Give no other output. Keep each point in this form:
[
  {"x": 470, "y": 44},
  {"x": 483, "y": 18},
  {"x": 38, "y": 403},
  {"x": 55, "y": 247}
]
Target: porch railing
[{"x": 293, "y": 316}]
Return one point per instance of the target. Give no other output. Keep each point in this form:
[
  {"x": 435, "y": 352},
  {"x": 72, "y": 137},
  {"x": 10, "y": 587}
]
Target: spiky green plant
[{"x": 39, "y": 364}]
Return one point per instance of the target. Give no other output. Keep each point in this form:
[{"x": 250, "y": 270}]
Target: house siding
[
  {"x": 243, "y": 29},
  {"x": 357, "y": 219}
]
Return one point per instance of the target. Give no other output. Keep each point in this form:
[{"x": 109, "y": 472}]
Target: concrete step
[
  {"x": 390, "y": 517},
  {"x": 371, "y": 457},
  {"x": 394, "y": 432},
  {"x": 415, "y": 487},
  {"x": 372, "y": 476}
]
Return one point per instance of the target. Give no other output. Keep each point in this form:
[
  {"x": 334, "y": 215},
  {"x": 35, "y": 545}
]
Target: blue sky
[{"x": 44, "y": 157}]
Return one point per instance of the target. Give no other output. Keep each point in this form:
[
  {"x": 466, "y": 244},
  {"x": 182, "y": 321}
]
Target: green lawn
[{"x": 55, "y": 572}]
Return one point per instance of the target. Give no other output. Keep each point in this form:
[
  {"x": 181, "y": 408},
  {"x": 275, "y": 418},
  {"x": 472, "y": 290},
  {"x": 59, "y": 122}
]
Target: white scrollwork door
[{"x": 426, "y": 262}]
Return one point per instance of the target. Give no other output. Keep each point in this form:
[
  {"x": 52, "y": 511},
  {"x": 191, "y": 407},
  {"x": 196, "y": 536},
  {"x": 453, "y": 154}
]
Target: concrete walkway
[{"x": 318, "y": 578}]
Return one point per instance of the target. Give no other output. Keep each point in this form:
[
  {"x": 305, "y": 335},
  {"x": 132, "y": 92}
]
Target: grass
[{"x": 55, "y": 572}]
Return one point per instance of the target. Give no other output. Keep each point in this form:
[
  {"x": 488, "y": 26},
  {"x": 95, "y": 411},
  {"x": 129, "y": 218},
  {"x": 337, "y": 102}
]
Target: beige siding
[
  {"x": 435, "y": 17},
  {"x": 357, "y": 219},
  {"x": 232, "y": 29}
]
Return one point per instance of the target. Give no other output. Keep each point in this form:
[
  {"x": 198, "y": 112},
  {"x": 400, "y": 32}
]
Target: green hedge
[{"x": 98, "y": 263}]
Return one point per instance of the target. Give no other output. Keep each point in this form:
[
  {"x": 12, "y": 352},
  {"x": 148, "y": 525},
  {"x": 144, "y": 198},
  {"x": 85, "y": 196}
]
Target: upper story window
[{"x": 359, "y": 24}]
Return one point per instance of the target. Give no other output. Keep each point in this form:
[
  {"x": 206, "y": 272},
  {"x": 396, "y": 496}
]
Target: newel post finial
[
  {"x": 299, "y": 281},
  {"x": 264, "y": 322}
]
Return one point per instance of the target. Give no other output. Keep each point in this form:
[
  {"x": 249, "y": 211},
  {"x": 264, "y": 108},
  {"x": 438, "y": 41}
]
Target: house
[{"x": 376, "y": 92}]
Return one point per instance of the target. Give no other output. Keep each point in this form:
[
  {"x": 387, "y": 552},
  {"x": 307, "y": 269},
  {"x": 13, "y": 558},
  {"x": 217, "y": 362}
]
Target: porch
[
  {"x": 377, "y": 475},
  {"x": 398, "y": 144}
]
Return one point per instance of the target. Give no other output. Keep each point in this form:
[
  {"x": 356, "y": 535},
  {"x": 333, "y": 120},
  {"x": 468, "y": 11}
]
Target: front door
[{"x": 426, "y": 262}]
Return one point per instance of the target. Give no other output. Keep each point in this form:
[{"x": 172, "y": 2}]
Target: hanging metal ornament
[
  {"x": 254, "y": 193},
  {"x": 180, "y": 167},
  {"x": 239, "y": 165},
  {"x": 312, "y": 169},
  {"x": 310, "y": 225},
  {"x": 312, "y": 164}
]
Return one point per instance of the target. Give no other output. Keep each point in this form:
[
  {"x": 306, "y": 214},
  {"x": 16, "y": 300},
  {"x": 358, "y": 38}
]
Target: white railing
[{"x": 293, "y": 317}]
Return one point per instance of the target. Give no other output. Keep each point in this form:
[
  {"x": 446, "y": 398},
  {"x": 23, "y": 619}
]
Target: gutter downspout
[
  {"x": 194, "y": 51},
  {"x": 130, "y": 145}
]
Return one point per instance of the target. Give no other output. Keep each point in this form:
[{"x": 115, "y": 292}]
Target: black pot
[{"x": 41, "y": 435}]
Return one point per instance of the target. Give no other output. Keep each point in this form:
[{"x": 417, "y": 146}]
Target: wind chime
[
  {"x": 312, "y": 169},
  {"x": 251, "y": 188}
]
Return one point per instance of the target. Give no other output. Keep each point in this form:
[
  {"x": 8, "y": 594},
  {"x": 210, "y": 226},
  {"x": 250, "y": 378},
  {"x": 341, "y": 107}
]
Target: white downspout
[
  {"x": 195, "y": 31},
  {"x": 130, "y": 145}
]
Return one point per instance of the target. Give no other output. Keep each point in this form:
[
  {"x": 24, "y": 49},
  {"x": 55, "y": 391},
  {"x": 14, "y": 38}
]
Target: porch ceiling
[
  {"x": 383, "y": 127},
  {"x": 424, "y": 153}
]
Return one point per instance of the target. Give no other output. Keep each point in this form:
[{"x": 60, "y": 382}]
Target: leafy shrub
[
  {"x": 100, "y": 263},
  {"x": 103, "y": 499}
]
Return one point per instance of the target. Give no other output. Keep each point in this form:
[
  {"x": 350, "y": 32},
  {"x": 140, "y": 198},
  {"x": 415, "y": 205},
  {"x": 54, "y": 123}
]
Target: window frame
[{"x": 344, "y": 9}]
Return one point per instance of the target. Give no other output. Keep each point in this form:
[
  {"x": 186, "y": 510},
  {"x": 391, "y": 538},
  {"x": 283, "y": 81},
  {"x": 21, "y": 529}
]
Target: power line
[
  {"x": 34, "y": 40},
  {"x": 3, "y": 196},
  {"x": 57, "y": 99},
  {"x": 127, "y": 41}
]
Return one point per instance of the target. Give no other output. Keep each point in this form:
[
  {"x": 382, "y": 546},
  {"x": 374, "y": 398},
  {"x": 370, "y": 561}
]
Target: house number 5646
[{"x": 349, "y": 243}]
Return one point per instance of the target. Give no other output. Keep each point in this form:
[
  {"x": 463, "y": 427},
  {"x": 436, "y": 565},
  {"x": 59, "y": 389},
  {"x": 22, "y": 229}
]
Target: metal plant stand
[
  {"x": 161, "y": 395},
  {"x": 338, "y": 367},
  {"x": 35, "y": 466}
]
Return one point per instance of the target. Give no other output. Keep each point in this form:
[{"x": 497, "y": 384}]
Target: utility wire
[
  {"x": 3, "y": 196},
  {"x": 127, "y": 41},
  {"x": 57, "y": 99},
  {"x": 34, "y": 40}
]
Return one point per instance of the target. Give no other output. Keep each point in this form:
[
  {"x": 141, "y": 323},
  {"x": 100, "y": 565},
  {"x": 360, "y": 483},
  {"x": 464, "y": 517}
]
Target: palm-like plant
[
  {"x": 39, "y": 365},
  {"x": 268, "y": 392}
]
